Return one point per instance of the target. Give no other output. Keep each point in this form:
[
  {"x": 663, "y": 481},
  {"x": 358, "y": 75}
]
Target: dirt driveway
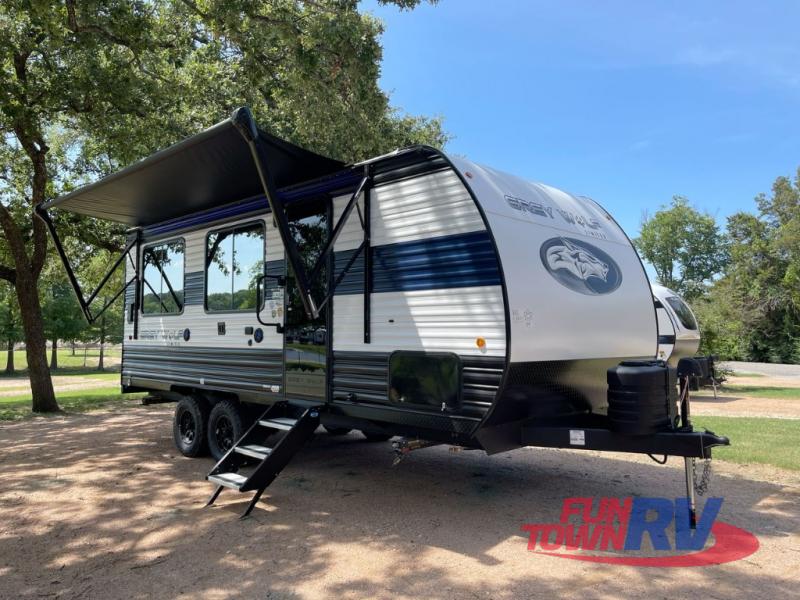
[{"x": 101, "y": 506}]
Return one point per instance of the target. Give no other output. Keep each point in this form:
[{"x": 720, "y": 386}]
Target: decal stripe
[{"x": 453, "y": 261}]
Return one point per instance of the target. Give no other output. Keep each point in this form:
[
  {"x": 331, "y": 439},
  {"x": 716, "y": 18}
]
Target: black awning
[{"x": 210, "y": 169}]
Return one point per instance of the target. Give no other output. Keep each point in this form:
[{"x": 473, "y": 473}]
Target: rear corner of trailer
[{"x": 578, "y": 298}]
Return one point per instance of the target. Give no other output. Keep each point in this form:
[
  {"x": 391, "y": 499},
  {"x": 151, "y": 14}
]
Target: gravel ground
[
  {"x": 101, "y": 505},
  {"x": 731, "y": 403}
]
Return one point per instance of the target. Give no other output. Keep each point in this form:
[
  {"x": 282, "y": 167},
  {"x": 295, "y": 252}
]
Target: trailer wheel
[
  {"x": 337, "y": 430},
  {"x": 225, "y": 427},
  {"x": 376, "y": 437},
  {"x": 189, "y": 426}
]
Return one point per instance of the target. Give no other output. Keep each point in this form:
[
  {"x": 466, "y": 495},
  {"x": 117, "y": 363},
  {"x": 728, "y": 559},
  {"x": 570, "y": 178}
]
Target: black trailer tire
[
  {"x": 376, "y": 437},
  {"x": 225, "y": 427},
  {"x": 189, "y": 426},
  {"x": 337, "y": 430}
]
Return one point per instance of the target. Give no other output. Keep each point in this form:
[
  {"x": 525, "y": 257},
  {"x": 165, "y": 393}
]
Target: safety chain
[{"x": 701, "y": 487}]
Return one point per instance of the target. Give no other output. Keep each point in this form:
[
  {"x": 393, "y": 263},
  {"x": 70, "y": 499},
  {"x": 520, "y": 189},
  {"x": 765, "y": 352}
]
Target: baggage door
[{"x": 306, "y": 339}]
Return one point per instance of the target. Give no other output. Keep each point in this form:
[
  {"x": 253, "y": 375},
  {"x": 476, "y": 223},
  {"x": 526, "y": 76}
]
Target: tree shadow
[{"x": 101, "y": 505}]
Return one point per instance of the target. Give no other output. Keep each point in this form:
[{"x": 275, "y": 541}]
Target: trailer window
[
  {"x": 234, "y": 261},
  {"x": 426, "y": 378},
  {"x": 162, "y": 278},
  {"x": 684, "y": 313}
]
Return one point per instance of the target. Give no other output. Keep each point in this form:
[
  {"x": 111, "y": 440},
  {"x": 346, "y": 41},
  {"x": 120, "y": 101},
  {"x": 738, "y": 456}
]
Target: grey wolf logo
[
  {"x": 580, "y": 266},
  {"x": 577, "y": 260}
]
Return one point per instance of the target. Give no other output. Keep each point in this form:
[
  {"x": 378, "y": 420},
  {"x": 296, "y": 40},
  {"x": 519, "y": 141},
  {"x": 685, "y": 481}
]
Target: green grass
[
  {"x": 66, "y": 362},
  {"x": 307, "y": 347},
  {"x": 788, "y": 393},
  {"x": 19, "y": 407},
  {"x": 745, "y": 374},
  {"x": 756, "y": 440}
]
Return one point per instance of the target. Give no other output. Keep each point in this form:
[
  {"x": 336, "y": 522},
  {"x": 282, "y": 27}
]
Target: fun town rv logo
[
  {"x": 603, "y": 531},
  {"x": 580, "y": 266}
]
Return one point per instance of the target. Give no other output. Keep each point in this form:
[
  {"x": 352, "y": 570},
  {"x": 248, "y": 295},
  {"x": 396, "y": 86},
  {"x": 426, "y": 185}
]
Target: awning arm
[
  {"x": 86, "y": 303},
  {"x": 353, "y": 202},
  {"x": 242, "y": 118}
]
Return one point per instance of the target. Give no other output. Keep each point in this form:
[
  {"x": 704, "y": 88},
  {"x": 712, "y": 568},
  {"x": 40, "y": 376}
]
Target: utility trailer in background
[{"x": 269, "y": 290}]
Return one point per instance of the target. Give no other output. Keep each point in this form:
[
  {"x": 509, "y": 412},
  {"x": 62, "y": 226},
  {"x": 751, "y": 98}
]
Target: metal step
[
  {"x": 284, "y": 423},
  {"x": 272, "y": 460},
  {"x": 254, "y": 450},
  {"x": 230, "y": 480}
]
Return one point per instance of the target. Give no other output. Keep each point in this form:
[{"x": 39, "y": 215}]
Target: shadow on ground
[{"x": 101, "y": 506}]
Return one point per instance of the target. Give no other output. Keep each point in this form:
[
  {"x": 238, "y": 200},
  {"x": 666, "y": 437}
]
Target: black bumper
[{"x": 696, "y": 444}]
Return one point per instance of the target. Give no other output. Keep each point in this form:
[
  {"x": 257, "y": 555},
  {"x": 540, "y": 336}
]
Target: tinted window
[
  {"x": 424, "y": 378},
  {"x": 234, "y": 261},
  {"x": 685, "y": 315},
  {"x": 162, "y": 278}
]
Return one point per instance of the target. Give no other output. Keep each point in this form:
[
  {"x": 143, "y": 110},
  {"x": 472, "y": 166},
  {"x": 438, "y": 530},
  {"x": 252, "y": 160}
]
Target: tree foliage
[
  {"x": 684, "y": 246},
  {"x": 88, "y": 87},
  {"x": 764, "y": 273},
  {"x": 744, "y": 285}
]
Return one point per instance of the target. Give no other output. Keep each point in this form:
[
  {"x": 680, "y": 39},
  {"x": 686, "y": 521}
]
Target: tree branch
[{"x": 72, "y": 23}]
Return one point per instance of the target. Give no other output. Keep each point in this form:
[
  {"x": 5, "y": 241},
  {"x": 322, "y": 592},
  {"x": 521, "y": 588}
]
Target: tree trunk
[
  {"x": 73, "y": 347},
  {"x": 10, "y": 358},
  {"x": 44, "y": 398},
  {"x": 28, "y": 267},
  {"x": 102, "y": 342},
  {"x": 54, "y": 356}
]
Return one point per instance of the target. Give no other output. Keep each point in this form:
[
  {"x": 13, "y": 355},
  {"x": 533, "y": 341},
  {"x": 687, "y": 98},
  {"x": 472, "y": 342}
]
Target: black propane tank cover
[
  {"x": 642, "y": 397},
  {"x": 690, "y": 366}
]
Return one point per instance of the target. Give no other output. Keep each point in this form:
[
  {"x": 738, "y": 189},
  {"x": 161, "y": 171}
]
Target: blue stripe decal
[
  {"x": 353, "y": 282},
  {"x": 454, "y": 261}
]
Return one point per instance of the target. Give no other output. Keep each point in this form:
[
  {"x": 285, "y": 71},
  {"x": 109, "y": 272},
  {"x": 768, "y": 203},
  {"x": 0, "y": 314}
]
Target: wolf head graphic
[{"x": 577, "y": 260}]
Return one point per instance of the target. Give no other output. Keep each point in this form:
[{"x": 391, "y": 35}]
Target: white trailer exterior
[
  {"x": 678, "y": 332},
  {"x": 413, "y": 294}
]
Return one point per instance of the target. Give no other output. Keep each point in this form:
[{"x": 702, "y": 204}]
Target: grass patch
[
  {"x": 745, "y": 374},
  {"x": 25, "y": 397},
  {"x": 66, "y": 361},
  {"x": 19, "y": 407},
  {"x": 788, "y": 393},
  {"x": 756, "y": 440}
]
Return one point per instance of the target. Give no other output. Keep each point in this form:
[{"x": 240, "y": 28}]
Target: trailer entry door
[{"x": 306, "y": 338}]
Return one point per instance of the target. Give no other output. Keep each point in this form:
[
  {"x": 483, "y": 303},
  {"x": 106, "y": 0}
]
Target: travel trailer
[
  {"x": 679, "y": 339},
  {"x": 269, "y": 290},
  {"x": 678, "y": 332}
]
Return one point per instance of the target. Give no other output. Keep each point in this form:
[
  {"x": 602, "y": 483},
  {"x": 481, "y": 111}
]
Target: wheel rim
[
  {"x": 223, "y": 433},
  {"x": 187, "y": 428}
]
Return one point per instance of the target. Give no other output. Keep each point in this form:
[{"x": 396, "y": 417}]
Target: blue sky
[{"x": 626, "y": 102}]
